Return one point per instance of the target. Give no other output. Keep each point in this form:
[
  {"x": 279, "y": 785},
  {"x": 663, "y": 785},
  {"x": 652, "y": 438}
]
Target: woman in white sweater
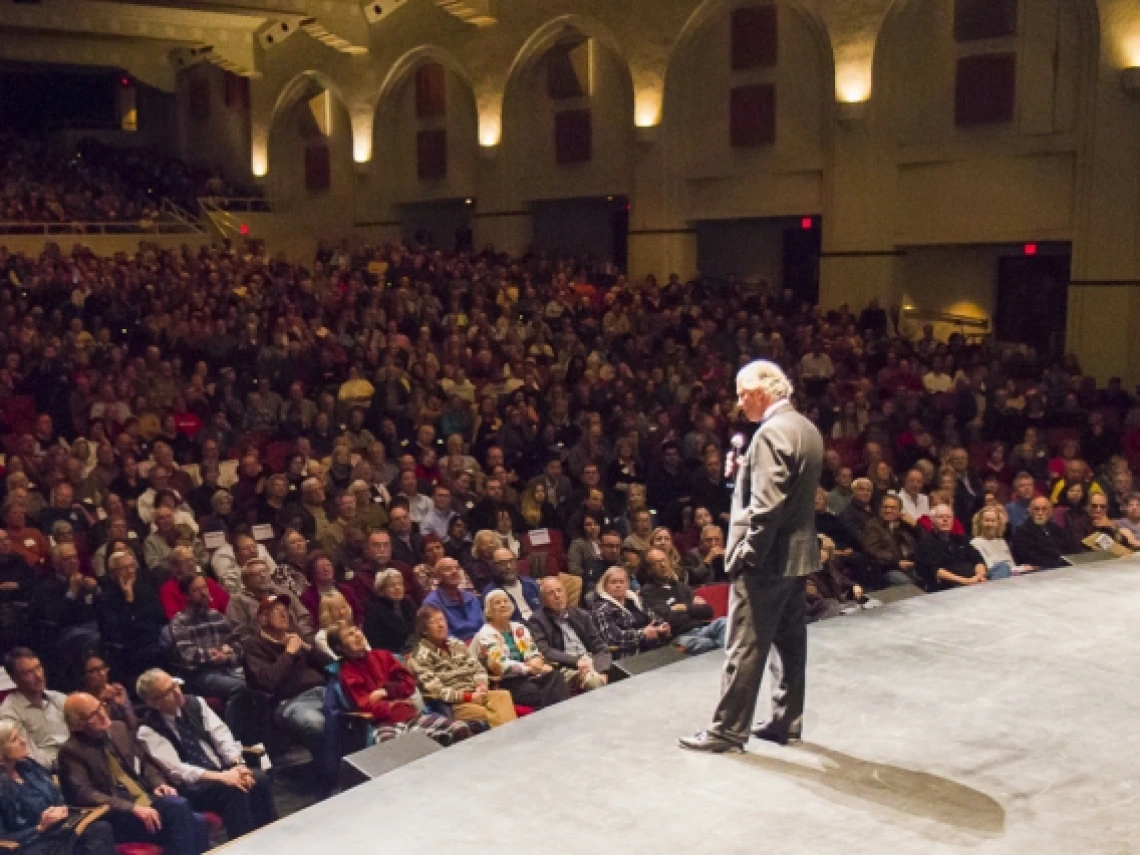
[{"x": 989, "y": 540}]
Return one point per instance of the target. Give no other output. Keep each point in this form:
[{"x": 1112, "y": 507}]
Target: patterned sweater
[
  {"x": 451, "y": 674},
  {"x": 492, "y": 650}
]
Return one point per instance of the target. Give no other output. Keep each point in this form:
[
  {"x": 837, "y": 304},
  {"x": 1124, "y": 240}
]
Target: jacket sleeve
[
  {"x": 79, "y": 789},
  {"x": 401, "y": 684},
  {"x": 613, "y": 633},
  {"x": 769, "y": 472},
  {"x": 188, "y": 651},
  {"x": 268, "y": 669},
  {"x": 576, "y": 557},
  {"x": 538, "y": 631},
  {"x": 588, "y": 630}
]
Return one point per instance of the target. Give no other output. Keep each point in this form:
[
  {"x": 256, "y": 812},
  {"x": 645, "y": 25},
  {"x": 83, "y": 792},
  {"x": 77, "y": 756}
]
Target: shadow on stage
[{"x": 925, "y": 803}]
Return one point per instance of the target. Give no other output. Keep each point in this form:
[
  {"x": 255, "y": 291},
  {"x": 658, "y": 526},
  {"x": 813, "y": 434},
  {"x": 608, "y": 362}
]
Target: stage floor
[{"x": 996, "y": 720}]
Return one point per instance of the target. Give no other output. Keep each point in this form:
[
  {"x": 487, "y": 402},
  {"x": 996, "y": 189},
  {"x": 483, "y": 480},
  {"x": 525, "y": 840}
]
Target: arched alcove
[{"x": 310, "y": 142}]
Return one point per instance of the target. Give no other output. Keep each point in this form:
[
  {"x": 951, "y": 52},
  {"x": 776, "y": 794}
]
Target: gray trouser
[{"x": 763, "y": 612}]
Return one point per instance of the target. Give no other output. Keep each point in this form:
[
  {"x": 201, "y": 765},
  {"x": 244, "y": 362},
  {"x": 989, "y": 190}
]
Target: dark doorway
[
  {"x": 443, "y": 225},
  {"x": 1032, "y": 301},
  {"x": 801, "y": 260},
  {"x": 597, "y": 228}
]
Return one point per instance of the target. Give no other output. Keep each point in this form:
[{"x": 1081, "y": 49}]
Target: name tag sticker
[
  {"x": 540, "y": 537},
  {"x": 31, "y": 544},
  {"x": 262, "y": 532},
  {"x": 214, "y": 539}
]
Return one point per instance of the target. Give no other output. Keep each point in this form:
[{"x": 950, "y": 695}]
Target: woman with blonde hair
[
  {"x": 537, "y": 512},
  {"x": 483, "y": 548},
  {"x": 623, "y": 622},
  {"x": 662, "y": 539},
  {"x": 989, "y": 539}
]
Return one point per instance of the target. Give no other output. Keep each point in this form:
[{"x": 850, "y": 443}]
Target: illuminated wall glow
[
  {"x": 853, "y": 82},
  {"x": 490, "y": 127},
  {"x": 259, "y": 159},
  {"x": 647, "y": 107},
  {"x": 1131, "y": 48},
  {"x": 362, "y": 135}
]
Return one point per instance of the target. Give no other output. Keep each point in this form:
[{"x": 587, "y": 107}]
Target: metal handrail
[
  {"x": 79, "y": 228},
  {"x": 235, "y": 205},
  {"x": 182, "y": 215}
]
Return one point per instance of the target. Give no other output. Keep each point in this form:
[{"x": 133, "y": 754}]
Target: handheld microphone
[{"x": 732, "y": 459}]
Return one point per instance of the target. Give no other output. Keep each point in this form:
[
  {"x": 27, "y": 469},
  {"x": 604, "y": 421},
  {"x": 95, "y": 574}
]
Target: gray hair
[
  {"x": 118, "y": 558},
  {"x": 494, "y": 594},
  {"x": 145, "y": 684},
  {"x": 9, "y": 729},
  {"x": 385, "y": 576},
  {"x": 765, "y": 375}
]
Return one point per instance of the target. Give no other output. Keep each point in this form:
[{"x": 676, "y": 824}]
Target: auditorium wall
[{"x": 868, "y": 136}]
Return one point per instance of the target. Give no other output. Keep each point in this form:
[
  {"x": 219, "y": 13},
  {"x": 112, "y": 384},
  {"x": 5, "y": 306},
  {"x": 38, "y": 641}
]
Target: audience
[
  {"x": 214, "y": 417},
  {"x": 508, "y": 652},
  {"x": 34, "y": 707}
]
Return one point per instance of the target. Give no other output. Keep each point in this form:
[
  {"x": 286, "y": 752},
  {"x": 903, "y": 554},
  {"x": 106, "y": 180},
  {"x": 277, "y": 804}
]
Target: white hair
[
  {"x": 492, "y": 595},
  {"x": 9, "y": 729},
  {"x": 765, "y": 375},
  {"x": 146, "y": 682}
]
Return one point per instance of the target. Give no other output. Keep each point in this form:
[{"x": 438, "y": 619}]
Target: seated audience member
[
  {"x": 464, "y": 614},
  {"x": 335, "y": 612},
  {"x": 1039, "y": 542},
  {"x": 184, "y": 566},
  {"x": 103, "y": 763},
  {"x": 25, "y": 539},
  {"x": 322, "y": 575},
  {"x": 585, "y": 551},
  {"x": 859, "y": 512},
  {"x": 32, "y": 807},
  {"x": 522, "y": 590},
  {"x": 641, "y": 531},
  {"x": 199, "y": 754},
  {"x": 390, "y": 617},
  {"x": 63, "y": 602},
  {"x": 1129, "y": 525},
  {"x": 437, "y": 519},
  {"x": 229, "y": 560},
  {"x": 449, "y": 672},
  {"x": 509, "y": 654},
  {"x": 457, "y": 544},
  {"x": 289, "y": 576},
  {"x": 333, "y": 536},
  {"x": 1017, "y": 508},
  {"x": 16, "y": 585},
  {"x": 623, "y": 622},
  {"x": 829, "y": 591},
  {"x": 989, "y": 539},
  {"x": 94, "y": 679},
  {"x": 481, "y": 570},
  {"x": 690, "y": 618},
  {"x": 704, "y": 565},
  {"x": 407, "y": 545},
  {"x": 208, "y": 647},
  {"x": 425, "y": 570},
  {"x": 34, "y": 707},
  {"x": 566, "y": 636},
  {"x": 377, "y": 558},
  {"x": 829, "y": 525},
  {"x": 944, "y": 560},
  {"x": 1100, "y": 524},
  {"x": 244, "y": 606},
  {"x": 914, "y": 502},
  {"x": 164, "y": 540},
  {"x": 290, "y": 670},
  {"x": 1071, "y": 512},
  {"x": 379, "y": 685},
  {"x": 130, "y": 614},
  {"x": 889, "y": 544}
]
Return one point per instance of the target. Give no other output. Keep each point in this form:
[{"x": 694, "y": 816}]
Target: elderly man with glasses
[
  {"x": 1040, "y": 542},
  {"x": 200, "y": 754}
]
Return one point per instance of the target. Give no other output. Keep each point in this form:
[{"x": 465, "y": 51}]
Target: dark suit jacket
[
  {"x": 85, "y": 779},
  {"x": 772, "y": 531},
  {"x": 551, "y": 644}
]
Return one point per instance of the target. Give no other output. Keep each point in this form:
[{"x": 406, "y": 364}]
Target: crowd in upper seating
[
  {"x": 96, "y": 183},
  {"x": 243, "y": 496}
]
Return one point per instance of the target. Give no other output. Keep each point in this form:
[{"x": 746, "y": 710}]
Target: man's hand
[
  {"x": 585, "y": 664},
  {"x": 293, "y": 643},
  {"x": 164, "y": 790},
  {"x": 75, "y": 583},
  {"x": 9, "y": 586},
  {"x": 535, "y": 664},
  {"x": 118, "y": 694},
  {"x": 908, "y": 519},
  {"x": 377, "y": 696},
  {"x": 679, "y": 607},
  {"x": 715, "y": 552},
  {"x": 906, "y": 565},
  {"x": 480, "y": 696},
  {"x": 699, "y": 601},
  {"x": 235, "y": 777},
  {"x": 51, "y": 816},
  {"x": 149, "y": 817}
]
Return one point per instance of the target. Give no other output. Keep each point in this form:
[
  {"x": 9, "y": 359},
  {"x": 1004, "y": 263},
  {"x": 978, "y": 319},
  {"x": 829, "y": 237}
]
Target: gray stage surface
[{"x": 1001, "y": 719}]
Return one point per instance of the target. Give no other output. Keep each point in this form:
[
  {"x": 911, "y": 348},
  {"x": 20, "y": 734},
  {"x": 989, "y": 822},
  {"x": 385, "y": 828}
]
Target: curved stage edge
[{"x": 998, "y": 719}]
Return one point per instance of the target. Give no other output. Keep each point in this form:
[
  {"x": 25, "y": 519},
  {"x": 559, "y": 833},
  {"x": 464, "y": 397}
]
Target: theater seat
[
  {"x": 716, "y": 596},
  {"x": 138, "y": 849},
  {"x": 523, "y": 712},
  {"x": 214, "y": 823}
]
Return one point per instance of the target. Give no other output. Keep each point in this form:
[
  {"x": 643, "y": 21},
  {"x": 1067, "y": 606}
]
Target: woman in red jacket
[{"x": 375, "y": 682}]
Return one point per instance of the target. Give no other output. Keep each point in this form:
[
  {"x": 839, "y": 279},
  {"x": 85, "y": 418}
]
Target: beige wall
[
  {"x": 887, "y": 175},
  {"x": 221, "y": 141}
]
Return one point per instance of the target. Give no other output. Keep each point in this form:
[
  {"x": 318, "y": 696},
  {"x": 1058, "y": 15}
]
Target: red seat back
[{"x": 716, "y": 596}]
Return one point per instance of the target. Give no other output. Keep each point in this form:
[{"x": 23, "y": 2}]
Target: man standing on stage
[{"x": 771, "y": 547}]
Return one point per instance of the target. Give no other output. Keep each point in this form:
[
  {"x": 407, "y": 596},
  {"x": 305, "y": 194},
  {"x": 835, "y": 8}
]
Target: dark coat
[
  {"x": 772, "y": 532},
  {"x": 1041, "y": 546},
  {"x": 86, "y": 779},
  {"x": 548, "y": 636}
]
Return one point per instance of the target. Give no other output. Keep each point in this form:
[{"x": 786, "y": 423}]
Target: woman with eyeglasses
[{"x": 95, "y": 680}]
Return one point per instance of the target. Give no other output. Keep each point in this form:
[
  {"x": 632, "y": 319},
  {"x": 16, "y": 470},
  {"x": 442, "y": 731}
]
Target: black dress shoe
[
  {"x": 710, "y": 743},
  {"x": 768, "y": 734}
]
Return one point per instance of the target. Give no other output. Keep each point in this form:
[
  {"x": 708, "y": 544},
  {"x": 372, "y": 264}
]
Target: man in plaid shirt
[{"x": 208, "y": 647}]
